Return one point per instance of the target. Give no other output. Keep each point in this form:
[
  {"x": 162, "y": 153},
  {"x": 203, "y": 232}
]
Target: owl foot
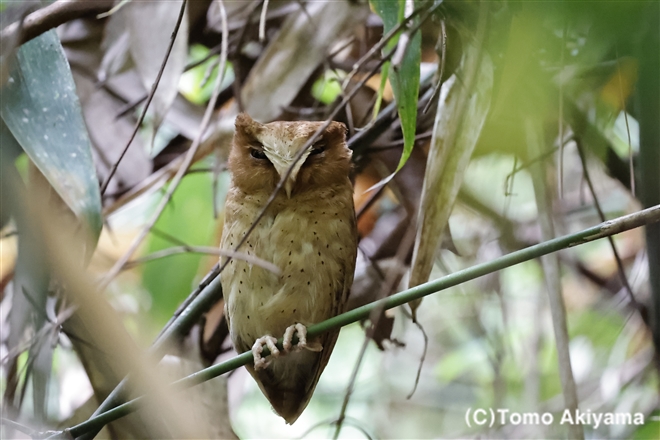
[
  {"x": 258, "y": 347},
  {"x": 301, "y": 331}
]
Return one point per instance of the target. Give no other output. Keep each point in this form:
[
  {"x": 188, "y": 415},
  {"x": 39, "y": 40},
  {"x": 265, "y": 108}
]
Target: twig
[
  {"x": 152, "y": 93},
  {"x": 421, "y": 360},
  {"x": 206, "y": 250},
  {"x": 262, "y": 21},
  {"x": 443, "y": 57},
  {"x": 399, "y": 143},
  {"x": 17, "y": 426},
  {"x": 601, "y": 215},
  {"x": 237, "y": 85},
  {"x": 508, "y": 181},
  {"x": 120, "y": 4}
]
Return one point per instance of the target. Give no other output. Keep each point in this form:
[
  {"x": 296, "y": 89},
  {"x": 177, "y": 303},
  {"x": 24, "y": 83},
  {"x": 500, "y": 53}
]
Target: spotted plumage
[{"x": 309, "y": 232}]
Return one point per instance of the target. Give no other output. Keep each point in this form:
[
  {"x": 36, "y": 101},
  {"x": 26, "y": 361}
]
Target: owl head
[{"x": 262, "y": 154}]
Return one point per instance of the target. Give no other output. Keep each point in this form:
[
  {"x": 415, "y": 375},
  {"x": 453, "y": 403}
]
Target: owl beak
[
  {"x": 282, "y": 165},
  {"x": 288, "y": 186}
]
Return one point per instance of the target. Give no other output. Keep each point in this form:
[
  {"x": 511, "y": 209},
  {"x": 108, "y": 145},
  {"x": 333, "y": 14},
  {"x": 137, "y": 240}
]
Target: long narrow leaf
[
  {"x": 404, "y": 78},
  {"x": 459, "y": 120},
  {"x": 41, "y": 109}
]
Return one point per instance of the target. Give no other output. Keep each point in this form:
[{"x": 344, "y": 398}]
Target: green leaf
[
  {"x": 327, "y": 88},
  {"x": 191, "y": 85},
  {"x": 41, "y": 109},
  {"x": 405, "y": 78}
]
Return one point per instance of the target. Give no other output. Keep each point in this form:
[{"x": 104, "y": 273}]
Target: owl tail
[{"x": 289, "y": 382}]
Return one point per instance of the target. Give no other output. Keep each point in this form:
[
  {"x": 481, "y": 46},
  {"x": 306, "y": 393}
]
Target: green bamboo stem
[{"x": 602, "y": 230}]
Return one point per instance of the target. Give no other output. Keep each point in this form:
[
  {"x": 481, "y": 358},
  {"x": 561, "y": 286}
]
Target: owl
[{"x": 308, "y": 231}]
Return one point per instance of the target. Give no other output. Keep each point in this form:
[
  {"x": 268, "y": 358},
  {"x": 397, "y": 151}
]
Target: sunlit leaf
[
  {"x": 327, "y": 88},
  {"x": 192, "y": 84}
]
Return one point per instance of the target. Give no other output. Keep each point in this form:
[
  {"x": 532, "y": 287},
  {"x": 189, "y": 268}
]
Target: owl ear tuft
[
  {"x": 246, "y": 129},
  {"x": 339, "y": 126},
  {"x": 245, "y": 124},
  {"x": 336, "y": 133}
]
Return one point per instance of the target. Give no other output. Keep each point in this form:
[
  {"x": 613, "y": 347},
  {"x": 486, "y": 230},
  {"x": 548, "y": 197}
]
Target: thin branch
[
  {"x": 443, "y": 57},
  {"x": 602, "y": 230},
  {"x": 262, "y": 21},
  {"x": 114, "y": 9},
  {"x": 17, "y": 426},
  {"x": 422, "y": 359},
  {"x": 392, "y": 279},
  {"x": 508, "y": 181},
  {"x": 601, "y": 215},
  {"x": 399, "y": 143},
  {"x": 370, "y": 201},
  {"x": 152, "y": 93},
  {"x": 237, "y": 85},
  {"x": 206, "y": 250}
]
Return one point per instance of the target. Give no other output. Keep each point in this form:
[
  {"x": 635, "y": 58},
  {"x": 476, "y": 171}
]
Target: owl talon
[
  {"x": 301, "y": 330},
  {"x": 258, "y": 347}
]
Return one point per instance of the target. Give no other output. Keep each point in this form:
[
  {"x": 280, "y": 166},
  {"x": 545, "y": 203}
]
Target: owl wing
[
  {"x": 290, "y": 402},
  {"x": 328, "y": 339}
]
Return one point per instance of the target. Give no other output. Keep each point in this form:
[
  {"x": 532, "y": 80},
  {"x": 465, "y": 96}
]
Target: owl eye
[
  {"x": 318, "y": 149},
  {"x": 258, "y": 154}
]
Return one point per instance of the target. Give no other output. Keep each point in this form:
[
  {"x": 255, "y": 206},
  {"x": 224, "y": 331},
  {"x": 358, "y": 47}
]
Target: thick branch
[{"x": 51, "y": 16}]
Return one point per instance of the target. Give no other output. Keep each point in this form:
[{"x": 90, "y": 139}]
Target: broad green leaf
[
  {"x": 42, "y": 111},
  {"x": 405, "y": 78}
]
